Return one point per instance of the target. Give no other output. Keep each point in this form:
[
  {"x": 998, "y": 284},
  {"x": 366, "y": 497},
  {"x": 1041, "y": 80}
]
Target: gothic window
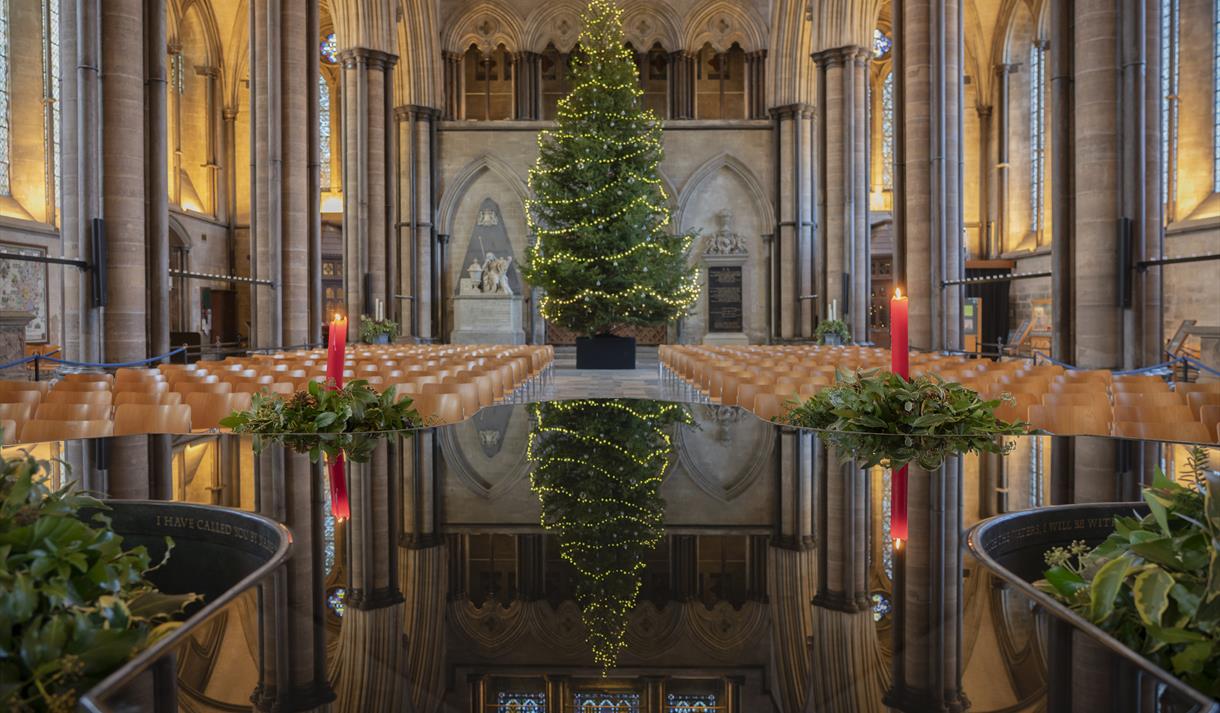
[
  {"x": 691, "y": 703},
  {"x": 887, "y": 543},
  {"x": 492, "y": 568},
  {"x": 887, "y": 132},
  {"x": 489, "y": 84},
  {"x": 720, "y": 88},
  {"x": 518, "y": 702},
  {"x": 5, "y": 127},
  {"x": 555, "y": 68},
  {"x": 1169, "y": 104},
  {"x": 51, "y": 76},
  {"x": 329, "y": 49},
  {"x": 324, "y": 177},
  {"x": 336, "y": 601},
  {"x": 881, "y": 44},
  {"x": 1037, "y": 133},
  {"x": 881, "y": 606}
]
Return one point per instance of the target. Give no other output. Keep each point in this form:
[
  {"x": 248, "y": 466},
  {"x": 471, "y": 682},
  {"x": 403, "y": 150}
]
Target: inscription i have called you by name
[{"x": 217, "y": 527}]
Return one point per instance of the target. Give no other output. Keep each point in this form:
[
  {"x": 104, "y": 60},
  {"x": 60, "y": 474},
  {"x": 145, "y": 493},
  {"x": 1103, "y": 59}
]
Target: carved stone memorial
[{"x": 724, "y": 259}]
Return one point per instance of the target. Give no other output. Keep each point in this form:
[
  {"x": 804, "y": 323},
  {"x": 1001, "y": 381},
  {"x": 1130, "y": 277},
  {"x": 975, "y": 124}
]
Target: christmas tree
[
  {"x": 598, "y": 466},
  {"x": 604, "y": 254}
]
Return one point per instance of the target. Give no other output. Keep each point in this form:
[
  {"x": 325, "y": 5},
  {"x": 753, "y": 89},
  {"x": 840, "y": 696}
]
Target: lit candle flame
[
  {"x": 897, "y": 293},
  {"x": 897, "y": 543}
]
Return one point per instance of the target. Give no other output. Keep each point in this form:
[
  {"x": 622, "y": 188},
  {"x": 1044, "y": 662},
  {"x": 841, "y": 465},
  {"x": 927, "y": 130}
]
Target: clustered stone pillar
[
  {"x": 417, "y": 195},
  {"x": 292, "y": 673},
  {"x": 793, "y": 280},
  {"x": 927, "y": 197},
  {"x": 527, "y": 85},
  {"x": 682, "y": 85},
  {"x": 284, "y": 119},
  {"x": 432, "y": 569},
  {"x": 843, "y": 140},
  {"x": 756, "y": 84},
  {"x": 1000, "y": 240},
  {"x": 368, "y": 263},
  {"x": 455, "y": 85},
  {"x": 848, "y": 669}
]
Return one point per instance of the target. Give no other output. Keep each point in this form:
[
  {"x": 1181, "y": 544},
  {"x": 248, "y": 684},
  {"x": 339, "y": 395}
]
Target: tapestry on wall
[{"x": 23, "y": 288}]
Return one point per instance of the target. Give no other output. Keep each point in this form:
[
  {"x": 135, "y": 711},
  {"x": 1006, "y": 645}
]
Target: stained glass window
[
  {"x": 690, "y": 702},
  {"x": 1037, "y": 132},
  {"x": 324, "y": 133},
  {"x": 51, "y": 75},
  {"x": 5, "y": 187},
  {"x": 887, "y": 132},
  {"x": 515, "y": 702},
  {"x": 330, "y": 49},
  {"x": 598, "y": 702},
  {"x": 1215, "y": 95},
  {"x": 1169, "y": 103},
  {"x": 328, "y": 529},
  {"x": 336, "y": 599},
  {"x": 881, "y": 605},
  {"x": 881, "y": 44}
]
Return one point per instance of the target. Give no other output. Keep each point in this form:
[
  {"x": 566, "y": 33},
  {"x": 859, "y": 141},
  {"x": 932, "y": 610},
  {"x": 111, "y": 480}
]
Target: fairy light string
[
  {"x": 606, "y": 251},
  {"x": 597, "y": 469}
]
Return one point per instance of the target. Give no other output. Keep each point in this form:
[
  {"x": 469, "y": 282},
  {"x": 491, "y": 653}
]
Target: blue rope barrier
[
  {"x": 1198, "y": 365},
  {"x": 113, "y": 365},
  {"x": 1163, "y": 367},
  {"x": 19, "y": 362}
]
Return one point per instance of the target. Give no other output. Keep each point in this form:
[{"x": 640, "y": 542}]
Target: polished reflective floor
[{"x": 621, "y": 555}]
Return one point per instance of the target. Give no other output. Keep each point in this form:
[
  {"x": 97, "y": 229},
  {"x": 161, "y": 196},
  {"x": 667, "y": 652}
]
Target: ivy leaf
[
  {"x": 1151, "y": 590},
  {"x": 1192, "y": 658},
  {"x": 1106, "y": 583}
]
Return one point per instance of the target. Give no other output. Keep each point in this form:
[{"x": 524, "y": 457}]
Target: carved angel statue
[{"x": 495, "y": 275}]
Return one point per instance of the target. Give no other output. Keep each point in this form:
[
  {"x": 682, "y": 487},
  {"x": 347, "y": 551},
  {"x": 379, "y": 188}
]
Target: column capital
[
  {"x": 417, "y": 111},
  {"x": 788, "y": 111},
  {"x": 450, "y": 56},
  {"x": 376, "y": 59},
  {"x": 984, "y": 111},
  {"x": 1003, "y": 68},
  {"x": 369, "y": 599},
  {"x": 841, "y": 55}
]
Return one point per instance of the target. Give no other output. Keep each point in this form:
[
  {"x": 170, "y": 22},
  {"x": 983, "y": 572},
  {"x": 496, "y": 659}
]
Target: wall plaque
[{"x": 724, "y": 298}]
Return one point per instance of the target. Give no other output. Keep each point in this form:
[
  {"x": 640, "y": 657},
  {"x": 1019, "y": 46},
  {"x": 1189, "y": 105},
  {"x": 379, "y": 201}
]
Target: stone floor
[{"x": 565, "y": 381}]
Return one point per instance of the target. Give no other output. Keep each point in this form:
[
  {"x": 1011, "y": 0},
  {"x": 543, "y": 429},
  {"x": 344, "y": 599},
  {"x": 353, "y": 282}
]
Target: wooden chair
[
  {"x": 136, "y": 375},
  {"x": 166, "y": 398},
  {"x": 439, "y": 408},
  {"x": 145, "y": 386},
  {"x": 1096, "y": 401},
  {"x": 1210, "y": 417},
  {"x": 1206, "y": 387},
  {"x": 1083, "y": 386},
  {"x": 8, "y": 431},
  {"x": 1070, "y": 420},
  {"x": 1155, "y": 386},
  {"x": 468, "y": 394},
  {"x": 32, "y": 398},
  {"x": 215, "y": 387},
  {"x": 38, "y": 431},
  {"x": 1199, "y": 399},
  {"x": 71, "y": 412},
  {"x": 86, "y": 378},
  {"x": 208, "y": 408},
  {"x": 1019, "y": 409},
  {"x": 90, "y": 385},
  {"x": 79, "y": 397},
  {"x": 1146, "y": 400},
  {"x": 41, "y": 387},
  {"x": 1153, "y": 414},
  {"x": 17, "y": 413},
  {"x": 131, "y": 419},
  {"x": 1188, "y": 432}
]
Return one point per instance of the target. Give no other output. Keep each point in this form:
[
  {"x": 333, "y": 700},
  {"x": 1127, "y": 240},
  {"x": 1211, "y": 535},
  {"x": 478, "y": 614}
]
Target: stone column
[
  {"x": 927, "y": 649},
  {"x": 756, "y": 84},
  {"x": 682, "y": 85},
  {"x": 527, "y": 84},
  {"x": 1000, "y": 240},
  {"x": 843, "y": 76},
  {"x": 795, "y": 284},
  {"x": 367, "y": 96},
  {"x": 849, "y": 671},
  {"x": 928, "y": 209},
  {"x": 984, "y": 163},
  {"x": 683, "y": 567},
  {"x": 417, "y": 196},
  {"x": 156, "y": 176},
  {"x": 292, "y": 675},
  {"x": 455, "y": 85},
  {"x": 796, "y": 470},
  {"x": 284, "y": 121}
]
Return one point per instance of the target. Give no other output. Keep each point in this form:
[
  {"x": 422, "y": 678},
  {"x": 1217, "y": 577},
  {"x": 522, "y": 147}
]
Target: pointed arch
[
  {"x": 708, "y": 170},
  {"x": 844, "y": 23},
  {"x": 456, "y": 190},
  {"x": 557, "y": 22},
  {"x": 646, "y": 23},
  {"x": 416, "y": 80},
  {"x": 721, "y": 23},
  {"x": 486, "y": 23}
]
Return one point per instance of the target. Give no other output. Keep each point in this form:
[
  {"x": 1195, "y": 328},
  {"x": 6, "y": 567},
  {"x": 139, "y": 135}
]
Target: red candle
[
  {"x": 900, "y": 357},
  {"x": 900, "y": 364},
  {"x": 336, "y": 347},
  {"x": 339, "y": 506}
]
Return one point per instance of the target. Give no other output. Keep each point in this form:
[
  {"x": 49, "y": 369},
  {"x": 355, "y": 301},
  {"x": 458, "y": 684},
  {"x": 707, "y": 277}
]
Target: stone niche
[{"x": 488, "y": 306}]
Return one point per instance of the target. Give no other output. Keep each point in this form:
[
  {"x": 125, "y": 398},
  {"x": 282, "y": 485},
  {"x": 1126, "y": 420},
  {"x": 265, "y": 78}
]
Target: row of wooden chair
[{"x": 768, "y": 379}]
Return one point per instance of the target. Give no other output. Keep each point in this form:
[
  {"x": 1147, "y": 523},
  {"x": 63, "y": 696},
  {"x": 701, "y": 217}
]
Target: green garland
[
  {"x": 1154, "y": 584},
  {"x": 371, "y": 328},
  {"x": 598, "y": 471},
  {"x": 880, "y": 418},
  {"x": 74, "y": 604},
  {"x": 832, "y": 326},
  {"x": 322, "y": 420}
]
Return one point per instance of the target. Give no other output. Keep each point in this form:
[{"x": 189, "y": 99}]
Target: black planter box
[
  {"x": 605, "y": 352},
  {"x": 218, "y": 552},
  {"x": 1012, "y": 547}
]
